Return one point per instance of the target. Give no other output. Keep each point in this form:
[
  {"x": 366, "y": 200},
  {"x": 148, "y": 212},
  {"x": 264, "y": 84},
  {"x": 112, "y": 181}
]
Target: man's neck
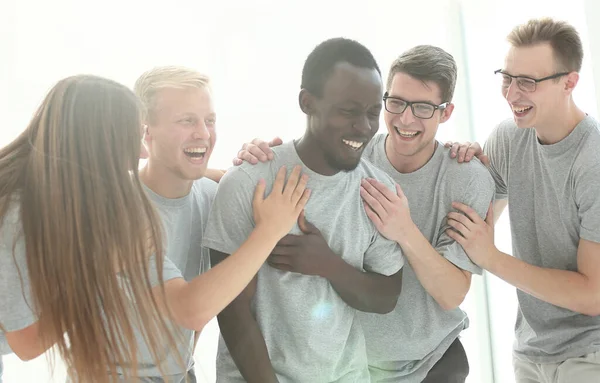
[
  {"x": 409, "y": 164},
  {"x": 164, "y": 183},
  {"x": 560, "y": 126},
  {"x": 312, "y": 155}
]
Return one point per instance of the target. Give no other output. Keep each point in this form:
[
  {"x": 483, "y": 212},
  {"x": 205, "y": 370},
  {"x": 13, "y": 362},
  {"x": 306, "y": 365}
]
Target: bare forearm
[
  {"x": 28, "y": 343},
  {"x": 195, "y": 303},
  {"x": 365, "y": 291},
  {"x": 247, "y": 347},
  {"x": 445, "y": 282},
  {"x": 499, "y": 206},
  {"x": 567, "y": 289},
  {"x": 215, "y": 174}
]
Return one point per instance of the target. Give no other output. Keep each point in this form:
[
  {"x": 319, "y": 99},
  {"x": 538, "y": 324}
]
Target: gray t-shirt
[
  {"x": 553, "y": 201},
  {"x": 311, "y": 334},
  {"x": 183, "y": 220},
  {"x": 16, "y": 305},
  {"x": 404, "y": 345}
]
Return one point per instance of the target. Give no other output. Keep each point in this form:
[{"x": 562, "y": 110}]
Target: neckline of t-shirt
[
  {"x": 566, "y": 143},
  {"x": 168, "y": 202},
  {"x": 435, "y": 158},
  {"x": 312, "y": 175}
]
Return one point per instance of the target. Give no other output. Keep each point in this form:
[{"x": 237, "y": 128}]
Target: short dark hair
[
  {"x": 427, "y": 63},
  {"x": 322, "y": 60}
]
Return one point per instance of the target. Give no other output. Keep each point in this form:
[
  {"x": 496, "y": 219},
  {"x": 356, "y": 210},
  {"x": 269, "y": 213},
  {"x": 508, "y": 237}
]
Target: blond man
[{"x": 179, "y": 136}]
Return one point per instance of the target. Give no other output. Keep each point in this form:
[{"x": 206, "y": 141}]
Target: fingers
[
  {"x": 237, "y": 161},
  {"x": 279, "y": 262},
  {"x": 468, "y": 211},
  {"x": 292, "y": 182},
  {"x": 299, "y": 189},
  {"x": 455, "y": 236},
  {"x": 470, "y": 151},
  {"x": 288, "y": 240},
  {"x": 454, "y": 149},
  {"x": 302, "y": 223},
  {"x": 378, "y": 202},
  {"x": 460, "y": 223},
  {"x": 462, "y": 151},
  {"x": 383, "y": 189},
  {"x": 275, "y": 142},
  {"x": 372, "y": 202},
  {"x": 279, "y": 251},
  {"x": 279, "y": 180},
  {"x": 259, "y": 193},
  {"x": 245, "y": 155},
  {"x": 303, "y": 201},
  {"x": 305, "y": 226},
  {"x": 262, "y": 151},
  {"x": 373, "y": 216}
]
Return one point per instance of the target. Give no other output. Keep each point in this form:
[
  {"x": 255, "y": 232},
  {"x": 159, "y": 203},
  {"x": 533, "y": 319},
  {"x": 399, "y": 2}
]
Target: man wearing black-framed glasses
[
  {"x": 525, "y": 83},
  {"x": 420, "y": 109},
  {"x": 418, "y": 341},
  {"x": 546, "y": 167}
]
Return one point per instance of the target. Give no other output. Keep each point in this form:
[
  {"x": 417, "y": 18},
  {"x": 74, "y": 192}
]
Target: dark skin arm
[
  {"x": 242, "y": 335},
  {"x": 310, "y": 254}
]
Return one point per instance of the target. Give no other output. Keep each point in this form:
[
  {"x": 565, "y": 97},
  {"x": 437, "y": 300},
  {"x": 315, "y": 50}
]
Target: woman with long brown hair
[{"x": 80, "y": 246}]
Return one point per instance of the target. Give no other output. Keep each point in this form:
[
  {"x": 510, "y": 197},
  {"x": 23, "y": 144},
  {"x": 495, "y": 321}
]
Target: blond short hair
[
  {"x": 562, "y": 37},
  {"x": 166, "y": 77}
]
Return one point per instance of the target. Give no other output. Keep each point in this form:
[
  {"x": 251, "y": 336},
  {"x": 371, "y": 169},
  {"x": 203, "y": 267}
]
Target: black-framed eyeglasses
[
  {"x": 420, "y": 109},
  {"x": 526, "y": 84}
]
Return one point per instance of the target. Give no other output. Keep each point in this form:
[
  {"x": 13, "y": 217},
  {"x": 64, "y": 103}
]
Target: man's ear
[
  {"x": 144, "y": 144},
  {"x": 307, "y": 102},
  {"x": 571, "y": 83},
  {"x": 446, "y": 113}
]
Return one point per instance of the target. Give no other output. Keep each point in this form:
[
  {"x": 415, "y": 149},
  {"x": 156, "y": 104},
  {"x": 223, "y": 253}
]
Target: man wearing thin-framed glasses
[{"x": 546, "y": 166}]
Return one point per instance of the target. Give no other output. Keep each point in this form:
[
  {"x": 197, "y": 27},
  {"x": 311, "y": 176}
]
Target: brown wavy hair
[{"x": 90, "y": 232}]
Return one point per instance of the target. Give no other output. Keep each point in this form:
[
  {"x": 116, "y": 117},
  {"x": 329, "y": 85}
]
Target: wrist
[
  {"x": 489, "y": 261},
  {"x": 268, "y": 233},
  {"x": 407, "y": 235},
  {"x": 330, "y": 265}
]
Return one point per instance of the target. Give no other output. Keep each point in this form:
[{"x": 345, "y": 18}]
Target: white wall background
[{"x": 254, "y": 52}]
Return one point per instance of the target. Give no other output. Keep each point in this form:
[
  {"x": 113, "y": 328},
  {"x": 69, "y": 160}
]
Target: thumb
[
  {"x": 259, "y": 193},
  {"x": 399, "y": 191},
  {"x": 489, "y": 217},
  {"x": 484, "y": 160},
  {"x": 305, "y": 226}
]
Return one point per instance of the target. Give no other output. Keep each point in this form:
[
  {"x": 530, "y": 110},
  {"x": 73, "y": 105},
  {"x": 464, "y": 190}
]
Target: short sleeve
[
  {"x": 16, "y": 304},
  {"x": 587, "y": 200},
  {"x": 383, "y": 256},
  {"x": 479, "y": 194},
  {"x": 170, "y": 271},
  {"x": 231, "y": 220},
  {"x": 497, "y": 150}
]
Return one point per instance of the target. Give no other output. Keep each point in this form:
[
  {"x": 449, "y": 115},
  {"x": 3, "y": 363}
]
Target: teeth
[
  {"x": 195, "y": 150},
  {"x": 353, "y": 144},
  {"x": 406, "y": 133},
  {"x": 521, "y": 109}
]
